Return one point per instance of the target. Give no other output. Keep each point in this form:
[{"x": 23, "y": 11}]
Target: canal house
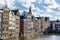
[{"x": 56, "y": 26}]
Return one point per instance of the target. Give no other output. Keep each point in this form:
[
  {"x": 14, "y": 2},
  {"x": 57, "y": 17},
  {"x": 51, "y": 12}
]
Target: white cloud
[
  {"x": 58, "y": 13},
  {"x": 48, "y": 10},
  {"x": 47, "y": 1},
  {"x": 10, "y": 3},
  {"x": 26, "y": 3},
  {"x": 56, "y": 17},
  {"x": 46, "y": 15},
  {"x": 53, "y": 4},
  {"x": 32, "y": 6},
  {"x": 27, "y": 0},
  {"x": 37, "y": 9},
  {"x": 37, "y": 14},
  {"x": 20, "y": 12},
  {"x": 2, "y": 2}
]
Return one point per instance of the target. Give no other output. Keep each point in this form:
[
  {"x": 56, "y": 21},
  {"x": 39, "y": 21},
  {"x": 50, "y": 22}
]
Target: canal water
[{"x": 49, "y": 37}]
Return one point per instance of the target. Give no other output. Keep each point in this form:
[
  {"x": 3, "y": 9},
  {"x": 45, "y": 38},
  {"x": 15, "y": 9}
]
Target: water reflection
[{"x": 49, "y": 37}]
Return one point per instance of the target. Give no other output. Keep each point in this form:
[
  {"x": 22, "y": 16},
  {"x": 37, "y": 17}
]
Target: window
[
  {"x": 0, "y": 35},
  {"x": 5, "y": 22},
  {"x": 29, "y": 16},
  {"x": 10, "y": 34},
  {"x": 4, "y": 35},
  {"x": 0, "y": 23},
  {"x": 3, "y": 29},
  {"x": 7, "y": 29},
  {"x": 0, "y": 29},
  {"x": 0, "y": 15},
  {"x": 28, "y": 25},
  {"x": 28, "y": 29},
  {"x": 41, "y": 27},
  {"x": 0, "y": 19}
]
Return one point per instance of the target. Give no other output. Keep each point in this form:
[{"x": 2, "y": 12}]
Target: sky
[{"x": 46, "y": 8}]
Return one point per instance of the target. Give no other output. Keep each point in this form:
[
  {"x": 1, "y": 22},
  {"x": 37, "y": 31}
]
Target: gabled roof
[
  {"x": 22, "y": 17},
  {"x": 16, "y": 12}
]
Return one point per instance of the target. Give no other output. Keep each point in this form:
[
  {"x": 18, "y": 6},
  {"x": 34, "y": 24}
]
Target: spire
[
  {"x": 6, "y": 6},
  {"x": 30, "y": 9}
]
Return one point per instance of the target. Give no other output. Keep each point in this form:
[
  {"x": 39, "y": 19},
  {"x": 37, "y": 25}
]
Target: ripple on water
[{"x": 49, "y": 37}]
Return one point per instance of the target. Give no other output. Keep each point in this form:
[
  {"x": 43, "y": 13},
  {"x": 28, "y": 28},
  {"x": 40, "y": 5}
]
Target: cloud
[
  {"x": 38, "y": 14},
  {"x": 26, "y": 3},
  {"x": 56, "y": 17},
  {"x": 49, "y": 6},
  {"x": 46, "y": 15},
  {"x": 32, "y": 6},
  {"x": 47, "y": 1},
  {"x": 2, "y": 2},
  {"x": 54, "y": 4},
  {"x": 10, "y": 3}
]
